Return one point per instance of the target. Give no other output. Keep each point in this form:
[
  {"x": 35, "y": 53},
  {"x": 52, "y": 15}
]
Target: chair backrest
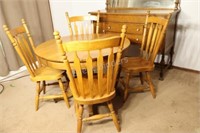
[
  {"x": 103, "y": 82},
  {"x": 154, "y": 31},
  {"x": 83, "y": 24},
  {"x": 21, "y": 40}
]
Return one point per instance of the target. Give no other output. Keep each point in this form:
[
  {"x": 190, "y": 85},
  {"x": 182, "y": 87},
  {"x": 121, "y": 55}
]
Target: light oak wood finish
[
  {"x": 86, "y": 24},
  {"x": 21, "y": 39},
  {"x": 88, "y": 88},
  {"x": 154, "y": 32},
  {"x": 55, "y": 59},
  {"x": 113, "y": 17}
]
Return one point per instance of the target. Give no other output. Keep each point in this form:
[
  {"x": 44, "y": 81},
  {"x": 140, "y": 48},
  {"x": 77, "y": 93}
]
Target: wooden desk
[{"x": 49, "y": 54}]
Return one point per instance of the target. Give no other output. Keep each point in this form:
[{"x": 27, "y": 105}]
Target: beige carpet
[{"x": 175, "y": 110}]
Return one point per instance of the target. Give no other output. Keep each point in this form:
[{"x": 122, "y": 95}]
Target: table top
[{"x": 49, "y": 50}]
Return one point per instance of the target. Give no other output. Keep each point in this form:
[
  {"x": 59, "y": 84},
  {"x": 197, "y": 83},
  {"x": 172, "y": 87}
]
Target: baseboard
[
  {"x": 157, "y": 65},
  {"x": 186, "y": 69},
  {"x": 13, "y": 73}
]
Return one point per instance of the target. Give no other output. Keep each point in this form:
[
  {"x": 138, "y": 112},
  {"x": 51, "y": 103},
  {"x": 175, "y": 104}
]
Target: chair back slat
[
  {"x": 116, "y": 65},
  {"x": 75, "y": 27},
  {"x": 86, "y": 84},
  {"x": 85, "y": 27},
  {"x": 77, "y": 67},
  {"x": 110, "y": 67},
  {"x": 149, "y": 39},
  {"x": 28, "y": 34},
  {"x": 83, "y": 24},
  {"x": 154, "y": 37},
  {"x": 27, "y": 53},
  {"x": 89, "y": 66},
  {"x": 22, "y": 41},
  {"x": 154, "y": 30},
  {"x": 69, "y": 23},
  {"x": 100, "y": 68},
  {"x": 159, "y": 32},
  {"x": 21, "y": 55}
]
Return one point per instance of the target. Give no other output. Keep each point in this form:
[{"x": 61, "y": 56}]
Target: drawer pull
[
  {"x": 137, "y": 29},
  {"x": 109, "y": 27}
]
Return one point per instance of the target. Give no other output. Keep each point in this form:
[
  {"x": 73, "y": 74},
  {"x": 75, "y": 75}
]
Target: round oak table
[{"x": 49, "y": 54}]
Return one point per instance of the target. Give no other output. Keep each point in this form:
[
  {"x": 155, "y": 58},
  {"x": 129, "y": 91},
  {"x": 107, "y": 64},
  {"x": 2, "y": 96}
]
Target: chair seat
[
  {"x": 98, "y": 98},
  {"x": 137, "y": 64},
  {"x": 47, "y": 73}
]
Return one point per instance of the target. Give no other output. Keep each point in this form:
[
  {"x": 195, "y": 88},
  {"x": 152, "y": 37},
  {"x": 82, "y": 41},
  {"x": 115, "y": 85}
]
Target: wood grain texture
[
  {"x": 55, "y": 59},
  {"x": 87, "y": 87},
  {"x": 87, "y": 24},
  {"x": 154, "y": 31},
  {"x": 22, "y": 41}
]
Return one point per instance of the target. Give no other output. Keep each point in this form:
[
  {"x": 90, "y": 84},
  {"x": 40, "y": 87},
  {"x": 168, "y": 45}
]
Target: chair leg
[
  {"x": 76, "y": 108},
  {"x": 79, "y": 112},
  {"x": 37, "y": 95},
  {"x": 63, "y": 92},
  {"x": 90, "y": 110},
  {"x": 66, "y": 77},
  {"x": 141, "y": 78},
  {"x": 126, "y": 86},
  {"x": 44, "y": 87},
  {"x": 114, "y": 116},
  {"x": 67, "y": 85},
  {"x": 150, "y": 85}
]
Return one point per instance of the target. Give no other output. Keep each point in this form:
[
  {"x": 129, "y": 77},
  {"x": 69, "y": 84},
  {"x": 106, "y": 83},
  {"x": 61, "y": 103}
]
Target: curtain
[{"x": 38, "y": 18}]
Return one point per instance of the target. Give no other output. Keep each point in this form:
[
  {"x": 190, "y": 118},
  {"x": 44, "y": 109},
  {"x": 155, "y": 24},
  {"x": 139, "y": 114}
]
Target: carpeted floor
[{"x": 176, "y": 109}]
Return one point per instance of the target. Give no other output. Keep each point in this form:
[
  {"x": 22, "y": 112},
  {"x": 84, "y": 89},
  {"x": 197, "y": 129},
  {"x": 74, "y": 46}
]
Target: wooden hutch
[{"x": 133, "y": 13}]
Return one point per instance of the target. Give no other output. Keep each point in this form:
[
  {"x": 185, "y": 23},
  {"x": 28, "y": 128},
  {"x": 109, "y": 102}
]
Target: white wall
[
  {"x": 73, "y": 7},
  {"x": 187, "y": 48}
]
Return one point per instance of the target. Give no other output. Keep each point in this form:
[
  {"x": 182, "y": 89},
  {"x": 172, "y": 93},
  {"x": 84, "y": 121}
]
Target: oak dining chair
[
  {"x": 86, "y": 24},
  {"x": 153, "y": 34},
  {"x": 21, "y": 40},
  {"x": 90, "y": 89}
]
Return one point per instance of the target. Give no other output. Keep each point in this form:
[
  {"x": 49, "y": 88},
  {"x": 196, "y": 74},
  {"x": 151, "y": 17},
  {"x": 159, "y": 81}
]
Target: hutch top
[{"x": 164, "y": 4}]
